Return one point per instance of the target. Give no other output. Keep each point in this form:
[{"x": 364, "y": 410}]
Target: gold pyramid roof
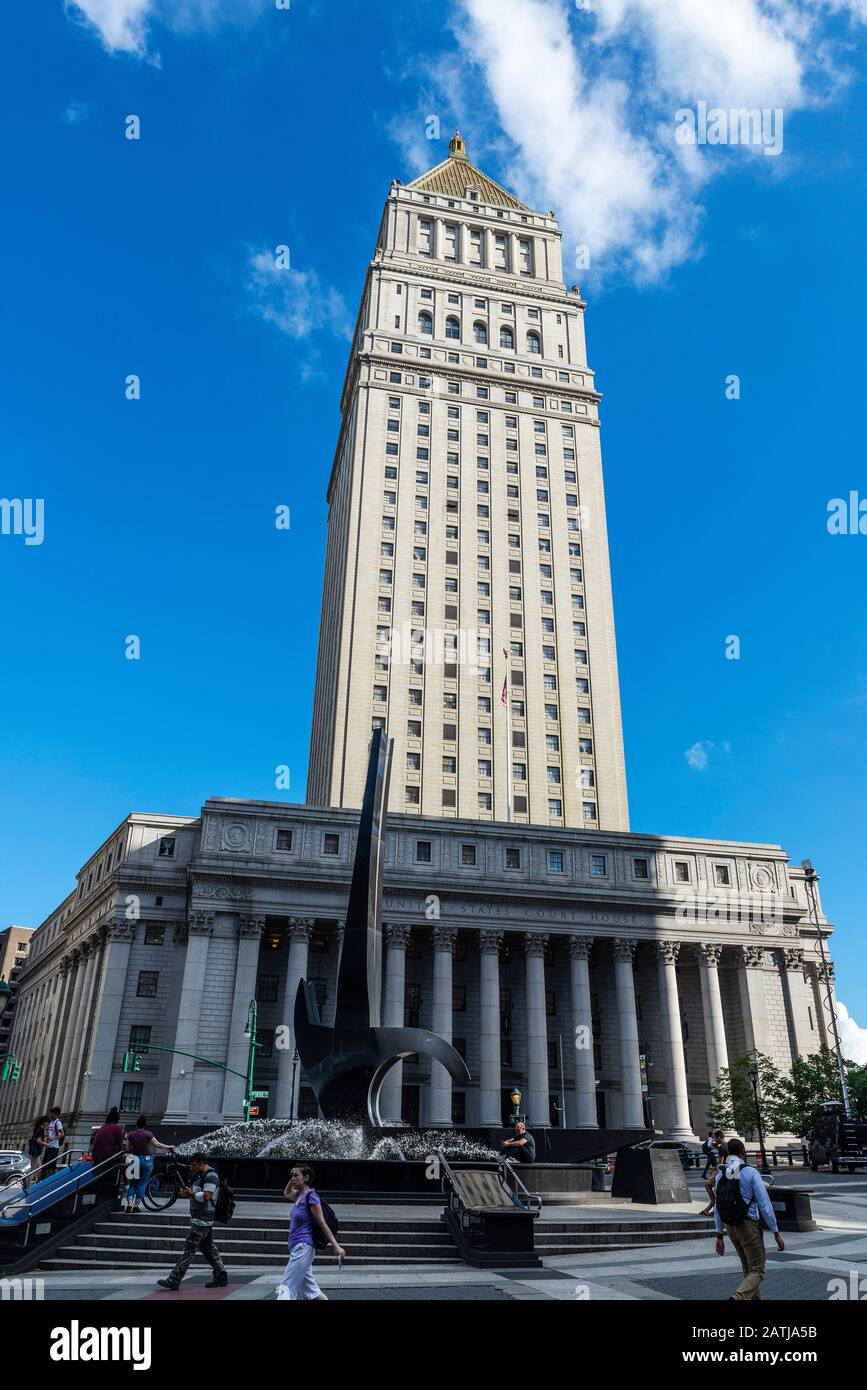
[{"x": 456, "y": 174}]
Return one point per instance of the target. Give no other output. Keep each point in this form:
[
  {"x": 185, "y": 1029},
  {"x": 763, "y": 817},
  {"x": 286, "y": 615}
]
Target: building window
[
  {"x": 589, "y": 810},
  {"x": 598, "y": 865},
  {"x": 422, "y": 851},
  {"x": 331, "y": 844},
  {"x": 640, "y": 868},
  {"x": 449, "y": 797},
  {"x": 681, "y": 871},
  {"x": 266, "y": 989},
  {"x": 412, "y": 1005},
  {"x": 425, "y": 323},
  {"x": 555, "y": 860},
  {"x": 480, "y": 334},
  {"x": 555, "y": 808},
  {"x": 284, "y": 839},
  {"x": 459, "y": 999},
  {"x": 453, "y": 327},
  {"x": 167, "y": 847},
  {"x": 534, "y": 343},
  {"x": 147, "y": 984},
  {"x": 155, "y": 934},
  {"x": 130, "y": 1097},
  {"x": 513, "y": 857},
  {"x": 412, "y": 796},
  {"x": 468, "y": 855},
  {"x": 139, "y": 1036},
  {"x": 722, "y": 876}
]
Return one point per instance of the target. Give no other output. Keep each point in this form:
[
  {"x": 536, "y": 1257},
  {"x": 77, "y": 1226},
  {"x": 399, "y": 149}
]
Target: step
[
  {"x": 258, "y": 1223},
  {"x": 226, "y": 1235},
  {"x": 71, "y": 1257},
  {"x": 276, "y": 1249}
]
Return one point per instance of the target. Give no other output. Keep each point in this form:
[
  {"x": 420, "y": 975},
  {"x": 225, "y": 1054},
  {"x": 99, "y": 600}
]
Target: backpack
[
  {"x": 320, "y": 1240},
  {"x": 224, "y": 1207},
  {"x": 730, "y": 1202},
  {"x": 706, "y": 1146}
]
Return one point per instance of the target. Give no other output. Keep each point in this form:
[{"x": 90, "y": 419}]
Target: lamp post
[
  {"x": 250, "y": 1033},
  {"x": 753, "y": 1074},
  {"x": 516, "y": 1102},
  {"x": 295, "y": 1060},
  {"x": 811, "y": 878}
]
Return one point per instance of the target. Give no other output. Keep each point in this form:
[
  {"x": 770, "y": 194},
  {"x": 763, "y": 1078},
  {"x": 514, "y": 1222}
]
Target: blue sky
[{"x": 261, "y": 127}]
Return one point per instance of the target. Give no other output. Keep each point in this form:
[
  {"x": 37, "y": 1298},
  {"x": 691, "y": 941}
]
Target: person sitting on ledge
[{"x": 523, "y": 1145}]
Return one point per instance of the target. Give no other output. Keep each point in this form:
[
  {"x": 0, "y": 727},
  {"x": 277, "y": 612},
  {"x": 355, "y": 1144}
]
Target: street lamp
[
  {"x": 250, "y": 1034},
  {"x": 811, "y": 878},
  {"x": 753, "y": 1074},
  {"x": 516, "y": 1101}
]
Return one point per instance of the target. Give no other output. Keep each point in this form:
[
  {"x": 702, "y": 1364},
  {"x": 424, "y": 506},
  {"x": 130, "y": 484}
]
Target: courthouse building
[{"x": 467, "y": 607}]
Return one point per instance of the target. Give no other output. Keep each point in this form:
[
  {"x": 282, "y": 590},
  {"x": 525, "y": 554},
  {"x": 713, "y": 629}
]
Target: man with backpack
[
  {"x": 209, "y": 1200},
  {"x": 311, "y": 1228},
  {"x": 742, "y": 1204}
]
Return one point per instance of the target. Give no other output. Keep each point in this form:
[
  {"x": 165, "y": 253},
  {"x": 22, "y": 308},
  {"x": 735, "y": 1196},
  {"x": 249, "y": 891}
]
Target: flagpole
[{"x": 506, "y": 697}]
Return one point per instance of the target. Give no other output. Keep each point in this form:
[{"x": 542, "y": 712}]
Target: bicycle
[{"x": 164, "y": 1186}]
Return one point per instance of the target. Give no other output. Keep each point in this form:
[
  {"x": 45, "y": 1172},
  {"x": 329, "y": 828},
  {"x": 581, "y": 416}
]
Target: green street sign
[{"x": 259, "y": 1095}]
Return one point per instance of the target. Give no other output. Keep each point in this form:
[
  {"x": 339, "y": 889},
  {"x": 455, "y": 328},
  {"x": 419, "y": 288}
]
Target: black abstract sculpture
[{"x": 347, "y": 1064}]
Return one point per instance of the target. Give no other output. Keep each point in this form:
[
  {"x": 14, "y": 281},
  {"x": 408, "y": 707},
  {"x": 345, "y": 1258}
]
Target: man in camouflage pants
[{"x": 202, "y": 1192}]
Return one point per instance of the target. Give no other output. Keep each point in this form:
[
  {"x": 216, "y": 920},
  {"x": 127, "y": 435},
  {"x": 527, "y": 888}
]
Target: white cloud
[
  {"x": 586, "y": 98},
  {"x": 853, "y": 1038},
  {"x": 295, "y": 301},
  {"x": 77, "y": 111},
  {"x": 698, "y": 755},
  {"x": 124, "y": 25},
  {"x": 121, "y": 24}
]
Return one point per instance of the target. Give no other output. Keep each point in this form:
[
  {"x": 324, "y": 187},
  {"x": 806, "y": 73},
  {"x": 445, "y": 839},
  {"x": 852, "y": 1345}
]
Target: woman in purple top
[
  {"x": 141, "y": 1144},
  {"x": 298, "y": 1281}
]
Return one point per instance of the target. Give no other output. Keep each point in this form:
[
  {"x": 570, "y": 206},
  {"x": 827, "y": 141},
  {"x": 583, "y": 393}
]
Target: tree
[
  {"x": 731, "y": 1103},
  {"x": 815, "y": 1079}
]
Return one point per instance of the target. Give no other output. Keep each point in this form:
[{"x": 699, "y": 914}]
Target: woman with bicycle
[{"x": 141, "y": 1143}]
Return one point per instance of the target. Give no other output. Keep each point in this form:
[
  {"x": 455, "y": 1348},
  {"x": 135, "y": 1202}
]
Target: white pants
[{"x": 298, "y": 1281}]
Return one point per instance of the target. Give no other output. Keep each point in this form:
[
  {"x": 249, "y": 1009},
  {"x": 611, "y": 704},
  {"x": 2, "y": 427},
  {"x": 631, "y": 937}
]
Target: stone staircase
[
  {"x": 152, "y": 1240},
  {"x": 571, "y": 1238}
]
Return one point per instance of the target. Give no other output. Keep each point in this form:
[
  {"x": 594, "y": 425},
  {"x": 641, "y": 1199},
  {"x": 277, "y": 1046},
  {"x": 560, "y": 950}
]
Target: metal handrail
[
  {"x": 62, "y": 1190},
  {"x": 531, "y": 1200}
]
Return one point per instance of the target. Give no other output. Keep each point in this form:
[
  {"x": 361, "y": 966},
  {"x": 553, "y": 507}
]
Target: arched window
[
  {"x": 425, "y": 323},
  {"x": 453, "y": 328},
  {"x": 480, "y": 334},
  {"x": 534, "y": 343},
  {"x": 507, "y": 337}
]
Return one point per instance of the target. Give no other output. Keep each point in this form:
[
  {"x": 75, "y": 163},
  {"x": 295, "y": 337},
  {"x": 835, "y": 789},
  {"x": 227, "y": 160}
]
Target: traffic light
[
  {"x": 11, "y": 1069},
  {"x": 132, "y": 1061}
]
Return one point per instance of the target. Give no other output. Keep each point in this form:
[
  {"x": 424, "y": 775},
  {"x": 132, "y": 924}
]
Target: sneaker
[
  {"x": 219, "y": 1282},
  {"x": 167, "y": 1284},
  {"x": 124, "y": 1204}
]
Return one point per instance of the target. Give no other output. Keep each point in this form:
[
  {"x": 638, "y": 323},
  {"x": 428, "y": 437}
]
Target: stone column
[
  {"x": 754, "y": 1000},
  {"x": 627, "y": 1028},
  {"x": 488, "y": 242},
  {"x": 285, "y": 1102},
  {"x": 95, "y": 1097},
  {"x": 238, "y": 1050},
  {"x": 393, "y": 1006},
  {"x": 438, "y": 238},
  {"x": 93, "y": 947},
  {"x": 54, "y": 1063},
  {"x": 444, "y": 938},
  {"x": 77, "y": 1041},
  {"x": 538, "y": 1100},
  {"x": 514, "y": 258},
  {"x": 584, "y": 1100},
  {"x": 490, "y": 1083},
  {"x": 71, "y": 1035},
  {"x": 712, "y": 1010},
  {"x": 679, "y": 1126},
  {"x": 200, "y": 926}
]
